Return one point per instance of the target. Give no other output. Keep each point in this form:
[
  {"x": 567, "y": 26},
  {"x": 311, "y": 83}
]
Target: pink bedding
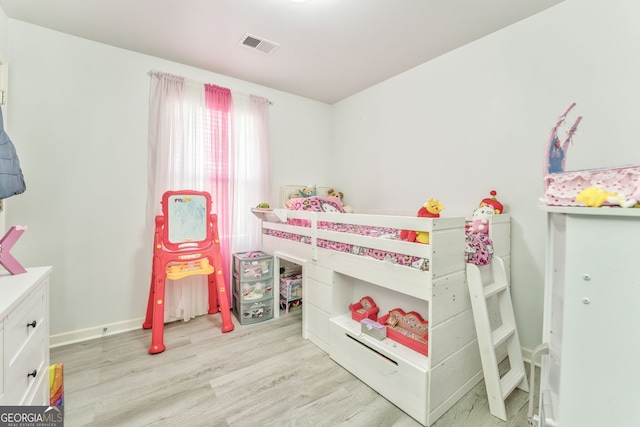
[
  {"x": 479, "y": 247},
  {"x": 395, "y": 258}
]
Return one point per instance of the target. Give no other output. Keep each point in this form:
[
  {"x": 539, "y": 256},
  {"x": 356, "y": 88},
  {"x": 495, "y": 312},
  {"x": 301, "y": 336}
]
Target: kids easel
[{"x": 186, "y": 243}]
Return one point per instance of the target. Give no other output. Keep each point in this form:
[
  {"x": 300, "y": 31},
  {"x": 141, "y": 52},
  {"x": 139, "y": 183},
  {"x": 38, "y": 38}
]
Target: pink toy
[
  {"x": 364, "y": 309},
  {"x": 6, "y": 243},
  {"x": 186, "y": 242},
  {"x": 480, "y": 221}
]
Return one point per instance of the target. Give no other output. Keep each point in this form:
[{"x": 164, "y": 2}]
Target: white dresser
[
  {"x": 24, "y": 337},
  {"x": 591, "y": 375}
]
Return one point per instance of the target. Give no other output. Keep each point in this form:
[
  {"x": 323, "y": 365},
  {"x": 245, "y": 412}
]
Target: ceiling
[{"x": 328, "y": 49}]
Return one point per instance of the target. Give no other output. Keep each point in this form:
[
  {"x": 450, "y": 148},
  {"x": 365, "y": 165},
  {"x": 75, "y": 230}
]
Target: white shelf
[
  {"x": 386, "y": 346},
  {"x": 601, "y": 211},
  {"x": 270, "y": 215}
]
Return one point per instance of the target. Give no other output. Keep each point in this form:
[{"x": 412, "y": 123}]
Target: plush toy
[
  {"x": 597, "y": 196},
  {"x": 480, "y": 220},
  {"x": 431, "y": 209},
  {"x": 493, "y": 202},
  {"x": 339, "y": 195},
  {"x": 308, "y": 191}
]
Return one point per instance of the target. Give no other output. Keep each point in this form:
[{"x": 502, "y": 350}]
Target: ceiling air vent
[{"x": 258, "y": 43}]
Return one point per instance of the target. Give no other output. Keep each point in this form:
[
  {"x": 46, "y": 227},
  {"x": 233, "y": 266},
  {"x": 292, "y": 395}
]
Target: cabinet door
[
  {"x": 600, "y": 373},
  {"x": 317, "y": 305}
]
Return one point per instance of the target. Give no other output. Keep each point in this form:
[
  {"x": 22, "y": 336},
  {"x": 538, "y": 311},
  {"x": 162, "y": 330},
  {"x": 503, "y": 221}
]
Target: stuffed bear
[
  {"x": 431, "y": 209},
  {"x": 339, "y": 195},
  {"x": 308, "y": 191}
]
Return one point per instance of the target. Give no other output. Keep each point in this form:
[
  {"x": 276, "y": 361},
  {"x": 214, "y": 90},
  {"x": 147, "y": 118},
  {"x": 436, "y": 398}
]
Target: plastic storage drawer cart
[{"x": 252, "y": 287}]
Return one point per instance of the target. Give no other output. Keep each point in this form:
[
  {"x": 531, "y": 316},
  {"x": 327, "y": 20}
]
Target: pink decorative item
[
  {"x": 409, "y": 329},
  {"x": 6, "y": 243},
  {"x": 366, "y": 308}
]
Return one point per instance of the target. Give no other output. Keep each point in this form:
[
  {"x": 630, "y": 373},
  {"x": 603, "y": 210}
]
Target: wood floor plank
[{"x": 263, "y": 374}]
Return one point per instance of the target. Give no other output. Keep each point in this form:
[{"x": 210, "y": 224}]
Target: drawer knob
[
  {"x": 32, "y": 374},
  {"x": 32, "y": 324}
]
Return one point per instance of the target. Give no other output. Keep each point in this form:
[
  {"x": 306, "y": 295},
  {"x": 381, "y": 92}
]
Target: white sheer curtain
[
  {"x": 251, "y": 163},
  {"x": 182, "y": 156}
]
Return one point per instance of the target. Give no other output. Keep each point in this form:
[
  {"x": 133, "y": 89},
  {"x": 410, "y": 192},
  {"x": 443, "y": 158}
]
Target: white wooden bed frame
[{"x": 423, "y": 387}]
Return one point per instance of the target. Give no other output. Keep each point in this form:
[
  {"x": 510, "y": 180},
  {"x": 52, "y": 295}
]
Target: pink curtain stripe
[{"x": 219, "y": 105}]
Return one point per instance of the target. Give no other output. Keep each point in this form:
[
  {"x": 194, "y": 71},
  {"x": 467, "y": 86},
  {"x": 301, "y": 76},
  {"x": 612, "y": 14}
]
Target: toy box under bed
[{"x": 342, "y": 253}]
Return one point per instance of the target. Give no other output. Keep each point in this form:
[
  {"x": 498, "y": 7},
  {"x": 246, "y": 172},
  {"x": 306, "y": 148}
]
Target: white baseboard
[{"x": 93, "y": 333}]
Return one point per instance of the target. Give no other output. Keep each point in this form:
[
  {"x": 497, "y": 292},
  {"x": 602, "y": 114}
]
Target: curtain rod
[{"x": 162, "y": 73}]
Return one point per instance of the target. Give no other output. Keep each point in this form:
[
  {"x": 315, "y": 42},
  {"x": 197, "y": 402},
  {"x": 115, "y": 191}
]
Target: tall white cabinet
[{"x": 591, "y": 376}]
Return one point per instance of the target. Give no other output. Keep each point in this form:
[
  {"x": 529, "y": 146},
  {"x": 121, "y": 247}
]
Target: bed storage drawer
[{"x": 399, "y": 374}]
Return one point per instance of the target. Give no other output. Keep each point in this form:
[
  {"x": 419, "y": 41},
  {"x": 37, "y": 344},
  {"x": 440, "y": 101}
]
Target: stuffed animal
[
  {"x": 597, "y": 196},
  {"x": 308, "y": 191},
  {"x": 339, "y": 195},
  {"x": 431, "y": 209},
  {"x": 493, "y": 202},
  {"x": 480, "y": 220}
]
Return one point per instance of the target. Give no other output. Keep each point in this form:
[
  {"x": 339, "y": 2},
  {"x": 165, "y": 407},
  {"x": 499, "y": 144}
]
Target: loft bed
[{"x": 345, "y": 256}]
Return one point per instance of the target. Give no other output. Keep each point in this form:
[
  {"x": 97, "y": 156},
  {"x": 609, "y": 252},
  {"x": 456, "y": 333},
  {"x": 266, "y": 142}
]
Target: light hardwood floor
[{"x": 263, "y": 374}]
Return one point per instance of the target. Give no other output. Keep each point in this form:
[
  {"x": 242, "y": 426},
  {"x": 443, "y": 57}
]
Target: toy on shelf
[
  {"x": 409, "y": 329},
  {"x": 186, "y": 243},
  {"x": 597, "y": 196},
  {"x": 366, "y": 308},
  {"x": 373, "y": 328},
  {"x": 431, "y": 209}
]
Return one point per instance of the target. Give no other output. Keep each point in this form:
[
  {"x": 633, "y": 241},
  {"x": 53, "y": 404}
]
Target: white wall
[
  {"x": 79, "y": 114},
  {"x": 470, "y": 121},
  {"x": 478, "y": 119}
]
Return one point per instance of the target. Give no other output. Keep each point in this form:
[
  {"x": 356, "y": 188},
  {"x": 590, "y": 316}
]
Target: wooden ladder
[{"x": 498, "y": 388}]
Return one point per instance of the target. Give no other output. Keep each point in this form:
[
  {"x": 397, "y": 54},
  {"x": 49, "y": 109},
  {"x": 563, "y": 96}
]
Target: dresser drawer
[
  {"x": 20, "y": 326},
  {"x": 318, "y": 294},
  {"x": 24, "y": 337},
  {"x": 20, "y": 376},
  {"x": 320, "y": 274}
]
